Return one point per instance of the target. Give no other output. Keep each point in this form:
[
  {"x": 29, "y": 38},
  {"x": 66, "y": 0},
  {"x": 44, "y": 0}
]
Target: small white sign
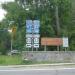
[
  {"x": 65, "y": 42},
  {"x": 36, "y": 40},
  {"x": 36, "y": 45},
  {"x": 28, "y": 40},
  {"x": 34, "y": 35},
  {"x": 28, "y": 45},
  {"x": 28, "y": 35}
]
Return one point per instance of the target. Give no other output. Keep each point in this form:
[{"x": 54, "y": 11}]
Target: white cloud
[
  {"x": 3, "y": 12},
  {"x": 2, "y": 1}
]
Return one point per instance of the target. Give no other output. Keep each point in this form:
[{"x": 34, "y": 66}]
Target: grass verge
[
  {"x": 10, "y": 60},
  {"x": 17, "y": 60}
]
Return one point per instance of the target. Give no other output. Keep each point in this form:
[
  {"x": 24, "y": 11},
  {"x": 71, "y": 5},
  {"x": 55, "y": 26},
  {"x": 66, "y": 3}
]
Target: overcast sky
[{"x": 2, "y": 12}]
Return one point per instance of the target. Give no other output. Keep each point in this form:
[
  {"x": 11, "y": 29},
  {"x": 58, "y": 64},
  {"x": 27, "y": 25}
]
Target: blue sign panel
[
  {"x": 36, "y": 24},
  {"x": 32, "y": 26},
  {"x": 28, "y": 22},
  {"x": 28, "y": 30},
  {"x": 28, "y": 26},
  {"x": 36, "y": 31}
]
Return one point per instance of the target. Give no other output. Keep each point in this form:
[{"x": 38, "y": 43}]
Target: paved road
[{"x": 23, "y": 71}]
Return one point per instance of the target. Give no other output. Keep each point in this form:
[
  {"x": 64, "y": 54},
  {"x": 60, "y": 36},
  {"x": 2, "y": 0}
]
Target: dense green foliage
[{"x": 43, "y": 10}]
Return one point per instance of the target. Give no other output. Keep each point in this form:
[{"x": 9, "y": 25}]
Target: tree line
[{"x": 44, "y": 10}]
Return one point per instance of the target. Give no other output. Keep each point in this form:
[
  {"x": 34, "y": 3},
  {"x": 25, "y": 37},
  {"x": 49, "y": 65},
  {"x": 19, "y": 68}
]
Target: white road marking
[{"x": 36, "y": 69}]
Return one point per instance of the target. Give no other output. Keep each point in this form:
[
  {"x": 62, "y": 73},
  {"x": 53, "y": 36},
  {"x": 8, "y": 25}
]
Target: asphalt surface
[{"x": 36, "y": 71}]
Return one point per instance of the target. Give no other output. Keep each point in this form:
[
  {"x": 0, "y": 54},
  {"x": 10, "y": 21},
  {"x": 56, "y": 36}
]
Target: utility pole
[
  {"x": 10, "y": 31},
  {"x": 57, "y": 22},
  {"x": 11, "y": 42}
]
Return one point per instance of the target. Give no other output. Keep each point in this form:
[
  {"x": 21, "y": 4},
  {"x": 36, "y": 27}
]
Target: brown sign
[{"x": 51, "y": 41}]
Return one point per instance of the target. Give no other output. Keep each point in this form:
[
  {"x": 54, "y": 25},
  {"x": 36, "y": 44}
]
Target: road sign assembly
[{"x": 32, "y": 33}]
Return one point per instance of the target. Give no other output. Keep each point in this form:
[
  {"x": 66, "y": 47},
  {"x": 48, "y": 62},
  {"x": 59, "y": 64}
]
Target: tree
[{"x": 43, "y": 10}]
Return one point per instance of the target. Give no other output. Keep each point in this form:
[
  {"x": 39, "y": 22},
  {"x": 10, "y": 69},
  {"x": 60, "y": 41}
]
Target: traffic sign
[
  {"x": 28, "y": 23},
  {"x": 36, "y": 40},
  {"x": 36, "y": 23},
  {"x": 28, "y": 35},
  {"x": 32, "y": 26},
  {"x": 28, "y": 45},
  {"x": 36, "y": 26},
  {"x": 37, "y": 35},
  {"x": 28, "y": 40},
  {"x": 28, "y": 26},
  {"x": 33, "y": 35},
  {"x": 28, "y": 30},
  {"x": 36, "y": 31},
  {"x": 36, "y": 45}
]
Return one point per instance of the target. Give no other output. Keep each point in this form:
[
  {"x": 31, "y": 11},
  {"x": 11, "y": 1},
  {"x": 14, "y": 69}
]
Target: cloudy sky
[{"x": 2, "y": 12}]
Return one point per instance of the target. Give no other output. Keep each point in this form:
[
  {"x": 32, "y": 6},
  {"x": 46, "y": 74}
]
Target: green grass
[
  {"x": 10, "y": 60},
  {"x": 17, "y": 60}
]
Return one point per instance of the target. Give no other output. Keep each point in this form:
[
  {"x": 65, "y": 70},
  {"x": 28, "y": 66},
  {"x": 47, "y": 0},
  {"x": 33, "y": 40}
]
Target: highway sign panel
[
  {"x": 28, "y": 23},
  {"x": 36, "y": 45},
  {"x": 28, "y": 30},
  {"x": 32, "y": 26},
  {"x": 37, "y": 35},
  {"x": 28, "y": 26},
  {"x": 36, "y": 26},
  {"x": 33, "y": 35},
  {"x": 28, "y": 40},
  {"x": 36, "y": 40},
  {"x": 36, "y": 23},
  {"x": 28, "y": 45},
  {"x": 36, "y": 31},
  {"x": 28, "y": 35}
]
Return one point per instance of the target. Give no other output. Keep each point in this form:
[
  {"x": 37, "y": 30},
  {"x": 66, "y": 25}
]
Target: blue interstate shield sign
[
  {"x": 32, "y": 26},
  {"x": 28, "y": 26},
  {"x": 36, "y": 26}
]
